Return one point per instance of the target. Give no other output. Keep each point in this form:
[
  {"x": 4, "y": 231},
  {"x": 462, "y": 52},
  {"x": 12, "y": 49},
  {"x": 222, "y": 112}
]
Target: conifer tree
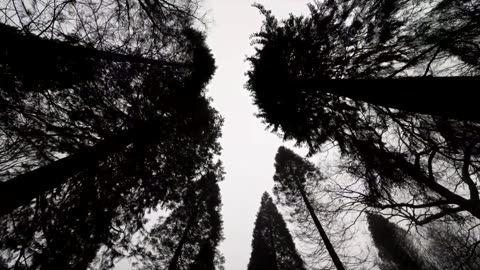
[{"x": 272, "y": 245}]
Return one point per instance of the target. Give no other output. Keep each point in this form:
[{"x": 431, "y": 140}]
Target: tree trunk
[
  {"x": 451, "y": 97},
  {"x": 331, "y": 251},
  {"x": 178, "y": 250},
  {"x": 24, "y": 188},
  {"x": 15, "y": 44}
]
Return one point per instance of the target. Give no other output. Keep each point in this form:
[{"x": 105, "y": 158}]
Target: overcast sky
[{"x": 248, "y": 149}]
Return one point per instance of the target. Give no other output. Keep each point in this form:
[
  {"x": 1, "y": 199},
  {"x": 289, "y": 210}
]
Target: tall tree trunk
[
  {"x": 331, "y": 251},
  {"x": 173, "y": 265},
  {"x": 15, "y": 44},
  {"x": 24, "y": 188},
  {"x": 451, "y": 97}
]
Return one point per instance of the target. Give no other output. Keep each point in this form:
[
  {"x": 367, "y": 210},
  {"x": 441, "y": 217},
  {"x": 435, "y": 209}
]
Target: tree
[
  {"x": 92, "y": 205},
  {"x": 190, "y": 235},
  {"x": 395, "y": 248},
  {"x": 373, "y": 46},
  {"x": 272, "y": 245},
  {"x": 291, "y": 174},
  {"x": 421, "y": 167},
  {"x": 64, "y": 107}
]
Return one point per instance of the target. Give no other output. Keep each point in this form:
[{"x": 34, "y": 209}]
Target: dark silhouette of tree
[
  {"x": 61, "y": 110},
  {"x": 395, "y": 249},
  {"x": 291, "y": 174},
  {"x": 87, "y": 149},
  {"x": 272, "y": 245},
  {"x": 422, "y": 167},
  {"x": 108, "y": 208},
  {"x": 453, "y": 247},
  {"x": 387, "y": 53},
  {"x": 190, "y": 235}
]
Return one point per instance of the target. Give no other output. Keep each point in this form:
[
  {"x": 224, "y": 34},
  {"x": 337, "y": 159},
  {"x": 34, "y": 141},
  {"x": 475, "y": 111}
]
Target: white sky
[{"x": 248, "y": 149}]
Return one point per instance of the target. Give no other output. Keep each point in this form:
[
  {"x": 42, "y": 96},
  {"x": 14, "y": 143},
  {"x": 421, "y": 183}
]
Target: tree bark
[
  {"x": 331, "y": 251},
  {"x": 24, "y": 188},
  {"x": 451, "y": 97}
]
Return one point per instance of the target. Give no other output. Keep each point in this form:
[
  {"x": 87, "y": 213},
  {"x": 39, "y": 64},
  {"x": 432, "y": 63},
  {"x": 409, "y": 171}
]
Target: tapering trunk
[
  {"x": 17, "y": 45},
  {"x": 331, "y": 251},
  {"x": 24, "y": 188},
  {"x": 451, "y": 97}
]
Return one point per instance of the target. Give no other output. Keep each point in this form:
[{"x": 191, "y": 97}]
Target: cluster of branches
[{"x": 103, "y": 117}]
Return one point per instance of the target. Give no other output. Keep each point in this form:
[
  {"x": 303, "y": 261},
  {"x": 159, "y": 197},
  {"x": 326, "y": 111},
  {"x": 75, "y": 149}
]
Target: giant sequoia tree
[
  {"x": 422, "y": 167},
  {"x": 272, "y": 245},
  {"x": 90, "y": 140},
  {"x": 365, "y": 51}
]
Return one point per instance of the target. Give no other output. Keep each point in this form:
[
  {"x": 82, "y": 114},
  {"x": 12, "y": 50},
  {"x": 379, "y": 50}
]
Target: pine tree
[
  {"x": 395, "y": 249},
  {"x": 272, "y": 245}
]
